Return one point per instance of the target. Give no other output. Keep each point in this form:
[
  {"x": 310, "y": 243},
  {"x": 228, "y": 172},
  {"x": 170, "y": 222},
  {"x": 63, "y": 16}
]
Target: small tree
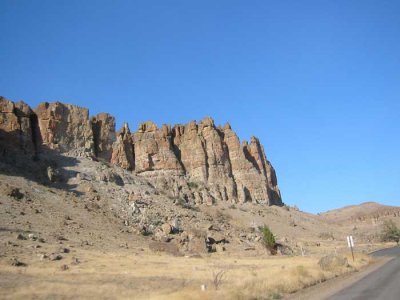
[
  {"x": 268, "y": 239},
  {"x": 390, "y": 232}
]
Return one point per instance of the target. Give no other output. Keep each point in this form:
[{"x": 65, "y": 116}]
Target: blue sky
[{"x": 317, "y": 81}]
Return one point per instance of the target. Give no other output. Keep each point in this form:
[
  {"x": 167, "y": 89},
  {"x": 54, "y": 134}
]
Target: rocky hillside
[
  {"x": 365, "y": 212},
  {"x": 199, "y": 163}
]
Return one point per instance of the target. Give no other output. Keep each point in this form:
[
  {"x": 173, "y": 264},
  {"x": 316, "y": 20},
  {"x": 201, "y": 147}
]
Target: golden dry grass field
[{"x": 145, "y": 275}]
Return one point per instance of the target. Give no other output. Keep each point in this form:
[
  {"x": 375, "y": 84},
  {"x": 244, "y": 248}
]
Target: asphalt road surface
[{"x": 384, "y": 283}]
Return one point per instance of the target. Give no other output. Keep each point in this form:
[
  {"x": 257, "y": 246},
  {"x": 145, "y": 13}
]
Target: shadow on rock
[{"x": 45, "y": 166}]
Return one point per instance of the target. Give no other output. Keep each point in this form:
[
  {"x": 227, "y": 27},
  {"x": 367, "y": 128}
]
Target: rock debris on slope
[{"x": 199, "y": 163}]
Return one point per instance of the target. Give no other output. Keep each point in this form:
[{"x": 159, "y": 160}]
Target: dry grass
[{"x": 144, "y": 275}]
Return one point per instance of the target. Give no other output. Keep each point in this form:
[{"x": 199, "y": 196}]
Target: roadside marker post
[{"x": 350, "y": 244}]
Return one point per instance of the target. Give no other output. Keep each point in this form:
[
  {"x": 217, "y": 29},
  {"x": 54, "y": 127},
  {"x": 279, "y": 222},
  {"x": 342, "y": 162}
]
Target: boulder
[{"x": 166, "y": 228}]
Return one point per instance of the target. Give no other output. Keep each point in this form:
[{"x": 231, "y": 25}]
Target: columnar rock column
[
  {"x": 123, "y": 150},
  {"x": 104, "y": 136}
]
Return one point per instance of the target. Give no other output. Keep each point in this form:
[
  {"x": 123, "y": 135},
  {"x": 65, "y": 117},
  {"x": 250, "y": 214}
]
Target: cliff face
[
  {"x": 199, "y": 163},
  {"x": 17, "y": 128}
]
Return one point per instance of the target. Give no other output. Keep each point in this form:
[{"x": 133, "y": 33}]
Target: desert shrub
[
  {"x": 332, "y": 262},
  {"x": 302, "y": 271},
  {"x": 390, "y": 232},
  {"x": 268, "y": 239},
  {"x": 193, "y": 185},
  {"x": 218, "y": 278},
  {"x": 182, "y": 203},
  {"x": 221, "y": 216}
]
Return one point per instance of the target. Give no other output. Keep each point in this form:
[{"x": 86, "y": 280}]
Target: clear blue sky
[{"x": 317, "y": 81}]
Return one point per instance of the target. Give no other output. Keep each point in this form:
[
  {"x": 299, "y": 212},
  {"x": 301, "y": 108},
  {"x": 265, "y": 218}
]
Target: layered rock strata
[{"x": 196, "y": 162}]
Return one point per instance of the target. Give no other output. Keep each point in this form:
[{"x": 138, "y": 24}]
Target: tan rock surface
[
  {"x": 16, "y": 132},
  {"x": 104, "y": 136},
  {"x": 65, "y": 127},
  {"x": 197, "y": 163},
  {"x": 123, "y": 151},
  {"x": 154, "y": 150}
]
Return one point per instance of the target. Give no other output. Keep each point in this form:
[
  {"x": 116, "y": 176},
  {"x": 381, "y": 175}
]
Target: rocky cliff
[{"x": 196, "y": 162}]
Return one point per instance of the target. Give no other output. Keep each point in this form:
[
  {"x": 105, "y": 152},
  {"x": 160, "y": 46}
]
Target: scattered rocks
[
  {"x": 17, "y": 263},
  {"x": 15, "y": 193},
  {"x": 54, "y": 257},
  {"x": 219, "y": 248},
  {"x": 32, "y": 237},
  {"x": 52, "y": 174},
  {"x": 20, "y": 237},
  {"x": 43, "y": 256},
  {"x": 166, "y": 228},
  {"x": 215, "y": 237}
]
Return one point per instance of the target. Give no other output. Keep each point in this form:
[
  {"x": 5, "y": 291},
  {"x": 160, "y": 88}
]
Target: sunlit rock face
[
  {"x": 196, "y": 162},
  {"x": 65, "y": 127}
]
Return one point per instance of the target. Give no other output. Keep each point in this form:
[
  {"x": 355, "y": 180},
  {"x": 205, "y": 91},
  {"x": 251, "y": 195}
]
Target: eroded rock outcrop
[
  {"x": 104, "y": 136},
  {"x": 154, "y": 152},
  {"x": 17, "y": 128},
  {"x": 193, "y": 163},
  {"x": 205, "y": 158},
  {"x": 65, "y": 127},
  {"x": 123, "y": 151},
  {"x": 249, "y": 169}
]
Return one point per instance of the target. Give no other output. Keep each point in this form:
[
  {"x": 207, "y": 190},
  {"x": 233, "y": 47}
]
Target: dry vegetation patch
[{"x": 140, "y": 274}]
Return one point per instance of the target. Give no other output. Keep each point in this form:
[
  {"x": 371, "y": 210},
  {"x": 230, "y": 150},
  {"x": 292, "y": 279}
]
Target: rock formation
[
  {"x": 103, "y": 126},
  {"x": 154, "y": 151},
  {"x": 199, "y": 163},
  {"x": 65, "y": 127},
  {"x": 122, "y": 150},
  {"x": 17, "y": 128}
]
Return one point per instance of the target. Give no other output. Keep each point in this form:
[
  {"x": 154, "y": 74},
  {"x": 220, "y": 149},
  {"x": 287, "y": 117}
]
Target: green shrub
[
  {"x": 268, "y": 239},
  {"x": 193, "y": 185},
  {"x": 390, "y": 233}
]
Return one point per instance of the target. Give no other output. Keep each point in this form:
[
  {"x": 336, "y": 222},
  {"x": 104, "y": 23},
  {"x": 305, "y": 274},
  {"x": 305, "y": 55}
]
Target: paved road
[{"x": 383, "y": 283}]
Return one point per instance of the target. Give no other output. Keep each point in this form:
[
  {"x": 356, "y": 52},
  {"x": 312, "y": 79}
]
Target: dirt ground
[{"x": 73, "y": 239}]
